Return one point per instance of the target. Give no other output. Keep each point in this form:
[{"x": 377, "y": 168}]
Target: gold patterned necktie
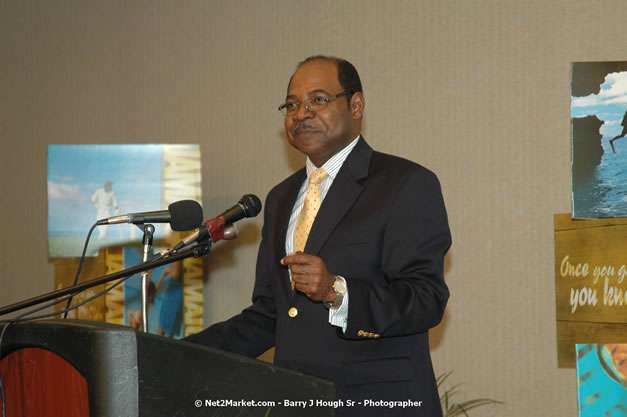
[{"x": 310, "y": 209}]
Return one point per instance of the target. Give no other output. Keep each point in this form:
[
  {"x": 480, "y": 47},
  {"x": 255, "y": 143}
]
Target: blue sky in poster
[
  {"x": 75, "y": 172},
  {"x": 609, "y": 105}
]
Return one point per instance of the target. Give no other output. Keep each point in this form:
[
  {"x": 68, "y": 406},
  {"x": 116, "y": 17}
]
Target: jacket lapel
[
  {"x": 341, "y": 196},
  {"x": 287, "y": 199}
]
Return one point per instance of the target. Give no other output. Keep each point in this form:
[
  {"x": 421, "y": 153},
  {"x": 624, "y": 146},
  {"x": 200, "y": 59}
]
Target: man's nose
[{"x": 303, "y": 111}]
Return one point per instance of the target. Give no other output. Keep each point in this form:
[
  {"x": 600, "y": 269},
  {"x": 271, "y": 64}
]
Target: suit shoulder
[
  {"x": 282, "y": 189},
  {"x": 398, "y": 166},
  {"x": 296, "y": 178}
]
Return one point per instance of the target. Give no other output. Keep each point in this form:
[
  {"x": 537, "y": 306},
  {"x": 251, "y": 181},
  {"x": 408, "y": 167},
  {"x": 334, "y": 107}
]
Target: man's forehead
[{"x": 314, "y": 76}]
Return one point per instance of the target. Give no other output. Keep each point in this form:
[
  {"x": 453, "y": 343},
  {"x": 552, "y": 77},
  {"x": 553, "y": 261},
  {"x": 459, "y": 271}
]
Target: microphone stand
[
  {"x": 197, "y": 250},
  {"x": 149, "y": 231}
]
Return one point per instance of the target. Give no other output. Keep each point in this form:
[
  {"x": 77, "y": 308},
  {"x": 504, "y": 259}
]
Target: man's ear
[{"x": 357, "y": 105}]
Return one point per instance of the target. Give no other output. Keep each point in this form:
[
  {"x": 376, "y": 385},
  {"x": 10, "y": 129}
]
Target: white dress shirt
[{"x": 337, "y": 317}]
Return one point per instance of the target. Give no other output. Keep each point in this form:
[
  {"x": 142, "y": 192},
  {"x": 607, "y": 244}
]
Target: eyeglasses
[{"x": 313, "y": 104}]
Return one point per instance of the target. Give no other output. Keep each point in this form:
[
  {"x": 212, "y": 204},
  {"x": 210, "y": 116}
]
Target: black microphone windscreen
[
  {"x": 251, "y": 204},
  {"x": 185, "y": 215}
]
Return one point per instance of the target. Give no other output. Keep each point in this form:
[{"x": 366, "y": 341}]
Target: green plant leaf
[{"x": 451, "y": 409}]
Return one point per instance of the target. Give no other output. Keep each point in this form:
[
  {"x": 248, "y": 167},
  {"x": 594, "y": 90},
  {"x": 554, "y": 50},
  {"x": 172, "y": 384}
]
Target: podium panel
[
  {"x": 40, "y": 383},
  {"x": 130, "y": 373}
]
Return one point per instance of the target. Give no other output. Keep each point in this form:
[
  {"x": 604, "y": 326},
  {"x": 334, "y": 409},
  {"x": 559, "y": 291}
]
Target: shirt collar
[{"x": 333, "y": 165}]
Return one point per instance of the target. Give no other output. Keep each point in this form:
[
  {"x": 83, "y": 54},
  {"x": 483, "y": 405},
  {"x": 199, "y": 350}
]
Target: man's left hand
[{"x": 310, "y": 276}]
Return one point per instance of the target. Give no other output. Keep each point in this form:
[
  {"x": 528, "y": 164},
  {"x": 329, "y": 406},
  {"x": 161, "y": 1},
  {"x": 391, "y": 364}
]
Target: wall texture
[{"x": 476, "y": 90}]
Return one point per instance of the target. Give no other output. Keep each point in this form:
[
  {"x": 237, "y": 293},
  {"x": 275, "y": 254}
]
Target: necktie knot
[{"x": 318, "y": 176}]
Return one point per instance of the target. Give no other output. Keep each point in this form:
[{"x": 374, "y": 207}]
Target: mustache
[{"x": 300, "y": 126}]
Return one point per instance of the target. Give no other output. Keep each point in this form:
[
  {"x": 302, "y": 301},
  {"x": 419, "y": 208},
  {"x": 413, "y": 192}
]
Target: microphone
[
  {"x": 182, "y": 215},
  {"x": 221, "y": 226},
  {"x": 247, "y": 206}
]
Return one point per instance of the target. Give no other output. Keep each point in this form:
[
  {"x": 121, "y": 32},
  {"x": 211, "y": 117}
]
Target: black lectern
[{"x": 130, "y": 373}]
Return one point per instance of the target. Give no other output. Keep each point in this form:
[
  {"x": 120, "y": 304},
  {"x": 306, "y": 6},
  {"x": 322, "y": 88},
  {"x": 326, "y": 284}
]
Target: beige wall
[{"x": 478, "y": 91}]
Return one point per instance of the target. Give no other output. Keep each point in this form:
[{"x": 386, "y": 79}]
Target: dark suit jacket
[{"x": 382, "y": 226}]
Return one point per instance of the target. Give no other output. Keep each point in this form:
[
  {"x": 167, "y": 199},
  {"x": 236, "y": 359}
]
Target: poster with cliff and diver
[{"x": 599, "y": 139}]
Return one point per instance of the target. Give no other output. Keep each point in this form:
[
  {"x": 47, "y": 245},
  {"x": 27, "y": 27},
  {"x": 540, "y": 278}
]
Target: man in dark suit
[{"x": 355, "y": 304}]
